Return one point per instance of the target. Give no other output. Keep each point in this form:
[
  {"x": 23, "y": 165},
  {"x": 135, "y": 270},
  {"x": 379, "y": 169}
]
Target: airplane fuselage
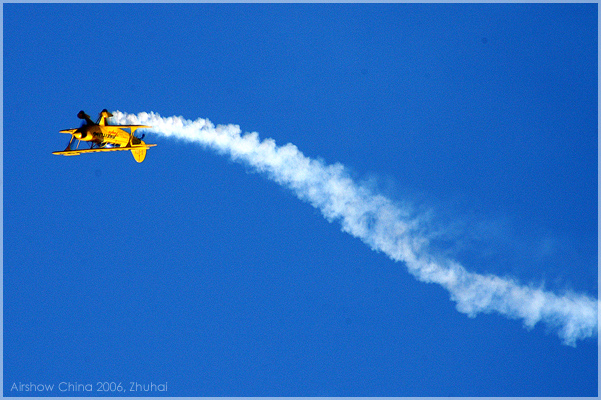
[{"x": 102, "y": 134}]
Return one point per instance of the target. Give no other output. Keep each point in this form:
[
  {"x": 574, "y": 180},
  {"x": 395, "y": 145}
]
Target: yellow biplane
[{"x": 103, "y": 137}]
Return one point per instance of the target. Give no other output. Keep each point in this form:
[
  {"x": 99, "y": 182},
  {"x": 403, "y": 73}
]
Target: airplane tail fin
[{"x": 139, "y": 154}]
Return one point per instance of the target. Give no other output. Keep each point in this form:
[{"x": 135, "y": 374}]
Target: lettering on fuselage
[{"x": 110, "y": 135}]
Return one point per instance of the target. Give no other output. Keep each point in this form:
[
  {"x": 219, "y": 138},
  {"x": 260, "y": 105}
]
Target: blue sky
[{"x": 195, "y": 270}]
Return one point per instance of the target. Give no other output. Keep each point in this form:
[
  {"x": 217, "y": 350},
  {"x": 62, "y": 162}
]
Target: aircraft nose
[{"x": 80, "y": 134}]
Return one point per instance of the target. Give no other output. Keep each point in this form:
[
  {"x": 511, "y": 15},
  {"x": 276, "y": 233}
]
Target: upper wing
[{"x": 78, "y": 152}]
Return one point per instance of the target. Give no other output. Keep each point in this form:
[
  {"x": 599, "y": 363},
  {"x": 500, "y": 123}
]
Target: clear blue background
[{"x": 191, "y": 269}]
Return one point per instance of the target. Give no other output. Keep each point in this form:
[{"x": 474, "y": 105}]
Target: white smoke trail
[{"x": 383, "y": 225}]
